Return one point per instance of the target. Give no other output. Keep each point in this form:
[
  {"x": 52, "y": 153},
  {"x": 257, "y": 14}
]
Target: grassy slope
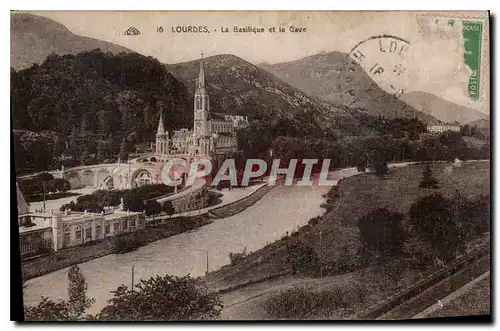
[
  {"x": 359, "y": 195},
  {"x": 476, "y": 301}
]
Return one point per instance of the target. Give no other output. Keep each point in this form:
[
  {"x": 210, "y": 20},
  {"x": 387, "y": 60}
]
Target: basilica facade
[{"x": 212, "y": 134}]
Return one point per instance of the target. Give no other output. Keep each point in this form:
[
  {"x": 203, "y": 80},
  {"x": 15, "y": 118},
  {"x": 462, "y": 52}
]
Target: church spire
[
  {"x": 161, "y": 128},
  {"x": 201, "y": 77}
]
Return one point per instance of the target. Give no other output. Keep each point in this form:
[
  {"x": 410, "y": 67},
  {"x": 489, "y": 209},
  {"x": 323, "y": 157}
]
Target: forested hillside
[
  {"x": 99, "y": 93},
  {"x": 94, "y": 101}
]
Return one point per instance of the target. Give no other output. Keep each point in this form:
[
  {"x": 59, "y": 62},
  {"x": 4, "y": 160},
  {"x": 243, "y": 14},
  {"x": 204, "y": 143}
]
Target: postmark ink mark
[{"x": 382, "y": 58}]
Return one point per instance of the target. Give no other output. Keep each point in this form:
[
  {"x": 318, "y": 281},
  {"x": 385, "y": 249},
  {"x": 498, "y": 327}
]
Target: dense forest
[
  {"x": 89, "y": 102},
  {"x": 381, "y": 140}
]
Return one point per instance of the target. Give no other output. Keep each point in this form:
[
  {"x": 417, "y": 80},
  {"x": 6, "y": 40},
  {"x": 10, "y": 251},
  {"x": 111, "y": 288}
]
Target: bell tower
[
  {"x": 202, "y": 131},
  {"x": 161, "y": 138},
  {"x": 201, "y": 105}
]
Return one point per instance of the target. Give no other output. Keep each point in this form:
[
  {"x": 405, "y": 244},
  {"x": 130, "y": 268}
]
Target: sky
[{"x": 434, "y": 62}]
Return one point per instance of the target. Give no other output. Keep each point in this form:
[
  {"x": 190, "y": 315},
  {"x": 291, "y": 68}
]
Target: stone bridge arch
[
  {"x": 88, "y": 177},
  {"x": 108, "y": 183},
  {"x": 74, "y": 179},
  {"x": 120, "y": 178},
  {"x": 101, "y": 175},
  {"x": 141, "y": 177}
]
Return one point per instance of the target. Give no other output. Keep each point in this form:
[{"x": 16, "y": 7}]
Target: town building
[
  {"x": 212, "y": 134},
  {"x": 35, "y": 241},
  {"x": 442, "y": 128},
  {"x": 76, "y": 228},
  {"x": 58, "y": 230}
]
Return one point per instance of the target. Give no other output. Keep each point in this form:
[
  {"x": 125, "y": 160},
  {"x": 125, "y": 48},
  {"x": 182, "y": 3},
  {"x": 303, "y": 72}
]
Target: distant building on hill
[{"x": 442, "y": 128}]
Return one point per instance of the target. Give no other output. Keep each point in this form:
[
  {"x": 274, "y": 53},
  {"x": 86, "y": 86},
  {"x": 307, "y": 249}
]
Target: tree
[
  {"x": 362, "y": 162},
  {"x": 125, "y": 149},
  {"x": 302, "y": 258},
  {"x": 152, "y": 207},
  {"x": 434, "y": 221},
  {"x": 77, "y": 292},
  {"x": 163, "y": 298},
  {"x": 73, "y": 309},
  {"x": 428, "y": 180},
  {"x": 453, "y": 143},
  {"x": 381, "y": 231},
  {"x": 473, "y": 215},
  {"x": 379, "y": 166},
  {"x": 133, "y": 201},
  {"x": 48, "y": 310},
  {"x": 88, "y": 202},
  {"x": 59, "y": 184},
  {"x": 100, "y": 154},
  {"x": 50, "y": 187},
  {"x": 485, "y": 151},
  {"x": 168, "y": 208},
  {"x": 45, "y": 177}
]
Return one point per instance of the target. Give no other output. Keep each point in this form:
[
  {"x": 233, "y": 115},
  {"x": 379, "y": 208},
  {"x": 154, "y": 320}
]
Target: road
[
  {"x": 470, "y": 299},
  {"x": 430, "y": 296}
]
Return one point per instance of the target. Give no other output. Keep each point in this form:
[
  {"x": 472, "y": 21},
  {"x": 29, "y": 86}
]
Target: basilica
[{"x": 212, "y": 134}]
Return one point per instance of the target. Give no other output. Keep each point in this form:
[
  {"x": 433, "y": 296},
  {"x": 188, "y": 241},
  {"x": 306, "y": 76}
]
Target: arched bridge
[{"x": 114, "y": 175}]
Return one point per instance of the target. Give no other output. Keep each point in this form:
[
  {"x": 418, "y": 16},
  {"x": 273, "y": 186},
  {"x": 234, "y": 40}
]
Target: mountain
[
  {"x": 317, "y": 74},
  {"x": 443, "y": 110},
  {"x": 240, "y": 87},
  {"x": 320, "y": 76},
  {"x": 33, "y": 38},
  {"x": 98, "y": 93}
]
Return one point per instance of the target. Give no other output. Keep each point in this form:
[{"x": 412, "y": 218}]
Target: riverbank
[
  {"x": 338, "y": 226},
  {"x": 167, "y": 226},
  {"x": 228, "y": 197},
  {"x": 240, "y": 205},
  {"x": 74, "y": 255},
  {"x": 281, "y": 210}
]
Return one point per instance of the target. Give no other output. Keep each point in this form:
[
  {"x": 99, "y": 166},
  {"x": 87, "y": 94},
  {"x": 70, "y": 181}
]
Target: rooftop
[
  {"x": 43, "y": 219},
  {"x": 23, "y": 229}
]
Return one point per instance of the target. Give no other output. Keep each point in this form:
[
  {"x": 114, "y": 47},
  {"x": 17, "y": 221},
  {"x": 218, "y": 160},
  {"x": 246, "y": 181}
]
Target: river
[{"x": 282, "y": 209}]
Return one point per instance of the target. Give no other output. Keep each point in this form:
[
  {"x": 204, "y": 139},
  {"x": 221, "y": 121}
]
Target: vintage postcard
[{"x": 244, "y": 165}]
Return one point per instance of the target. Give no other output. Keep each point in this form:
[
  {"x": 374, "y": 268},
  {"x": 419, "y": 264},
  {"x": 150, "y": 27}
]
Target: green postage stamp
[
  {"x": 470, "y": 31},
  {"x": 472, "y": 34}
]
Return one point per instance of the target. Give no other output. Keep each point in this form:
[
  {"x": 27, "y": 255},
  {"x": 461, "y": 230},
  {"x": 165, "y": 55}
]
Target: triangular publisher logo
[{"x": 132, "y": 31}]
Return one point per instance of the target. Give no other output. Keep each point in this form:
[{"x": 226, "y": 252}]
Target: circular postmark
[{"x": 382, "y": 59}]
